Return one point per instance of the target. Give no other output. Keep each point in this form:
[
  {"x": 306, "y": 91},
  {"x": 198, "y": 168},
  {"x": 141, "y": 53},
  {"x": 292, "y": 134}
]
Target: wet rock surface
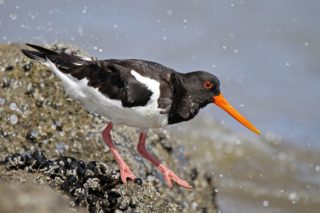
[
  {"x": 48, "y": 139},
  {"x": 31, "y": 198},
  {"x": 91, "y": 185}
]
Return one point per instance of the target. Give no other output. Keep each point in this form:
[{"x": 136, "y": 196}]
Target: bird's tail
[
  {"x": 61, "y": 59},
  {"x": 41, "y": 53}
]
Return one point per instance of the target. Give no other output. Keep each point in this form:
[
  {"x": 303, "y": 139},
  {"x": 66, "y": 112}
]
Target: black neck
[{"x": 183, "y": 107}]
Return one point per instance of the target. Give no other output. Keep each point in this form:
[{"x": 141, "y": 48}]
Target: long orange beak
[{"x": 224, "y": 104}]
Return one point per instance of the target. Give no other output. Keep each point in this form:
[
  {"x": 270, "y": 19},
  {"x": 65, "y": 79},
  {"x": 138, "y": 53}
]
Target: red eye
[{"x": 207, "y": 84}]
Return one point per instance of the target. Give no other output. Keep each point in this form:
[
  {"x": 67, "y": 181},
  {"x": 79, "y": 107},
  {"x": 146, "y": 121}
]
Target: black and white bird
[{"x": 136, "y": 93}]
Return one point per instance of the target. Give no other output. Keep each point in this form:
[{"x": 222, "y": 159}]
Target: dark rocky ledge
[{"x": 52, "y": 151}]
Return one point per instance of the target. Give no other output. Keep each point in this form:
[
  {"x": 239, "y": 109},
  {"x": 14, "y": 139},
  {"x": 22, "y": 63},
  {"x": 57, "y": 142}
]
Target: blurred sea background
[{"x": 266, "y": 54}]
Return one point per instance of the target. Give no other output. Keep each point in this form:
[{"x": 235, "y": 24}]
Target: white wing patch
[{"x": 152, "y": 85}]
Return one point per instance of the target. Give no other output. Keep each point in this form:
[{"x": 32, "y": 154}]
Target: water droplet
[
  {"x": 287, "y": 64},
  {"x": 115, "y": 26},
  {"x": 13, "y": 106},
  {"x": 236, "y": 51},
  {"x": 282, "y": 156},
  {"x": 32, "y": 15},
  {"x": 2, "y": 101},
  {"x": 80, "y": 30},
  {"x": 34, "y": 133},
  {"x": 181, "y": 149},
  {"x": 306, "y": 44},
  {"x": 84, "y": 10},
  {"x": 13, "y": 119},
  {"x": 293, "y": 197},
  {"x": 317, "y": 168},
  {"x": 13, "y": 17},
  {"x": 60, "y": 147},
  {"x": 265, "y": 203},
  {"x": 194, "y": 205},
  {"x": 165, "y": 38},
  {"x": 169, "y": 12}
]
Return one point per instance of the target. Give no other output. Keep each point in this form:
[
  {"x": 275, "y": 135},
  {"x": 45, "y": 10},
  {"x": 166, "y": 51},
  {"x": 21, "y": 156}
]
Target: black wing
[
  {"x": 112, "y": 77},
  {"x": 149, "y": 69}
]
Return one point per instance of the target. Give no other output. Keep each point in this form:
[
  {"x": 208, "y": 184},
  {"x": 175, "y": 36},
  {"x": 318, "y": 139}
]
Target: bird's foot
[
  {"x": 170, "y": 176},
  {"x": 125, "y": 172}
]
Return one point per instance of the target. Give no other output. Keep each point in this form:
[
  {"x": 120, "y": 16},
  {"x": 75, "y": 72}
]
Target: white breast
[{"x": 147, "y": 116}]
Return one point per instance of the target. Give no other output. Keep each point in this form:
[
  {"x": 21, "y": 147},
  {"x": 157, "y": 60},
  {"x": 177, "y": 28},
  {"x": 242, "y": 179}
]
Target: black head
[{"x": 204, "y": 88}]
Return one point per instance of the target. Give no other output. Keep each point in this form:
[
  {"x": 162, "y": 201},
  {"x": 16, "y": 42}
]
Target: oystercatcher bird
[{"x": 136, "y": 93}]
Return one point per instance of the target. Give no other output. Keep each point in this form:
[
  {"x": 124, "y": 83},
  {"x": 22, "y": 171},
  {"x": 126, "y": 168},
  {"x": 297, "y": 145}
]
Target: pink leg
[
  {"x": 125, "y": 171},
  {"x": 168, "y": 175}
]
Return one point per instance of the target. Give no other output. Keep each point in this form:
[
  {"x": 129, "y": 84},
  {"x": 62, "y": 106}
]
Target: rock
[
  {"x": 138, "y": 181},
  {"x": 75, "y": 155},
  {"x": 5, "y": 83},
  {"x": 26, "y": 67},
  {"x": 9, "y": 68},
  {"x": 30, "y": 198}
]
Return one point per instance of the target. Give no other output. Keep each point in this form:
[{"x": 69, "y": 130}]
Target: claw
[
  {"x": 126, "y": 173},
  {"x": 170, "y": 176}
]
